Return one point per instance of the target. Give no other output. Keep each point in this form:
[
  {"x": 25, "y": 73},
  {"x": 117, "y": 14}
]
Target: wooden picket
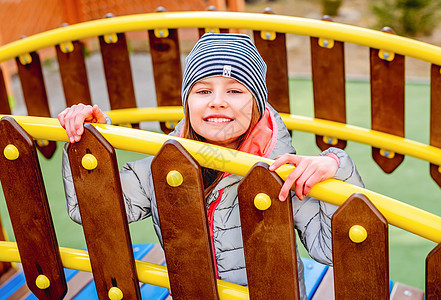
[
  {"x": 29, "y": 211},
  {"x": 101, "y": 204}
]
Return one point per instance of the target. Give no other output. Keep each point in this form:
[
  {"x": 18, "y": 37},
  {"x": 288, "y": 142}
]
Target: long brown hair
[{"x": 212, "y": 177}]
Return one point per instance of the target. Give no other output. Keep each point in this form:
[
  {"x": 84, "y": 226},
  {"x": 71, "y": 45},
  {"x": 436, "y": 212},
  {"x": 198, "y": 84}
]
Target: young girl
[{"x": 224, "y": 97}]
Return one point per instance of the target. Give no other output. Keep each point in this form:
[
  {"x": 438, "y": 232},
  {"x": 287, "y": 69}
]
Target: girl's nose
[{"x": 218, "y": 101}]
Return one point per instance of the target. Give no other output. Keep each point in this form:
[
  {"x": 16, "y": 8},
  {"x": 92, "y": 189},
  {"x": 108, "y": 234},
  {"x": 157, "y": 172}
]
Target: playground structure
[{"x": 364, "y": 246}]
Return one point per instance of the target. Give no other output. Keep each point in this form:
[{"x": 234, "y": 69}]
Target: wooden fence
[
  {"x": 27, "y": 201},
  {"x": 360, "y": 232}
]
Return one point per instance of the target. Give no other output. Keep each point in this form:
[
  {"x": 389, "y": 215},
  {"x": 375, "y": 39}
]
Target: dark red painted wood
[
  {"x": 328, "y": 81},
  {"x": 184, "y": 225},
  {"x": 268, "y": 237},
  {"x": 361, "y": 270},
  {"x": 34, "y": 93},
  {"x": 104, "y": 216},
  {"x": 4, "y": 102},
  {"x": 387, "y": 103},
  {"x": 435, "y": 120},
  {"x": 433, "y": 274},
  {"x": 29, "y": 211},
  {"x": 74, "y": 75}
]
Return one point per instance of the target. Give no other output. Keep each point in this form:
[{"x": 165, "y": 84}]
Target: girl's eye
[
  {"x": 203, "y": 92},
  {"x": 236, "y": 91}
]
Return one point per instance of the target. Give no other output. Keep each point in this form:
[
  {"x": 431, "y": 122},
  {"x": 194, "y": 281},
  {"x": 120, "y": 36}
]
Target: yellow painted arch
[
  {"x": 147, "y": 272},
  {"x": 211, "y": 19},
  {"x": 402, "y": 215},
  {"x": 293, "y": 122}
]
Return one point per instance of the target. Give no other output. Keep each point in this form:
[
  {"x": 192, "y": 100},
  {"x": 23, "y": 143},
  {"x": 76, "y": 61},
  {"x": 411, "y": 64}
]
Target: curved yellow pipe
[
  {"x": 402, "y": 215},
  {"x": 252, "y": 21},
  {"x": 147, "y": 272},
  {"x": 317, "y": 126}
]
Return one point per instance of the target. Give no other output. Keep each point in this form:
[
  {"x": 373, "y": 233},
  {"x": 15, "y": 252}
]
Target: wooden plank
[
  {"x": 361, "y": 270},
  {"x": 29, "y": 211},
  {"x": 268, "y": 237},
  {"x": 34, "y": 93},
  {"x": 118, "y": 72},
  {"x": 433, "y": 274},
  {"x": 387, "y": 104},
  {"x": 325, "y": 290},
  {"x": 5, "y": 267},
  {"x": 183, "y": 223},
  {"x": 4, "y": 102},
  {"x": 73, "y": 73},
  {"x": 328, "y": 81},
  {"x": 202, "y": 31},
  {"x": 167, "y": 71},
  {"x": 99, "y": 195},
  {"x": 435, "y": 120},
  {"x": 273, "y": 51},
  {"x": 402, "y": 291}
]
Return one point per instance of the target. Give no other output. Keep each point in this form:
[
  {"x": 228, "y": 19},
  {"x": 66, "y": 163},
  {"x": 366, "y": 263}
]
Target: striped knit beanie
[{"x": 228, "y": 55}]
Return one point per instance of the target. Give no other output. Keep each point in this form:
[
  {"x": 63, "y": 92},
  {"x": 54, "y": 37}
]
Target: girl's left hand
[{"x": 309, "y": 171}]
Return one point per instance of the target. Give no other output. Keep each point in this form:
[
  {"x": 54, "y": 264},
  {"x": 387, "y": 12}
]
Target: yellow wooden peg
[
  {"x": 11, "y": 152},
  {"x": 111, "y": 38},
  {"x": 115, "y": 293},
  {"x": 66, "y": 47},
  {"x": 326, "y": 43},
  {"x": 174, "y": 178},
  {"x": 386, "y": 55},
  {"x": 42, "y": 143},
  {"x": 387, "y": 153},
  {"x": 25, "y": 59},
  {"x": 330, "y": 140},
  {"x": 212, "y": 30},
  {"x": 268, "y": 35},
  {"x": 89, "y": 162},
  {"x": 262, "y": 201},
  {"x": 42, "y": 282},
  {"x": 357, "y": 233},
  {"x": 161, "y": 32}
]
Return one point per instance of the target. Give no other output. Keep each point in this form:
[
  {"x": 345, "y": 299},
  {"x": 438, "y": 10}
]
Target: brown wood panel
[
  {"x": 268, "y": 237},
  {"x": 34, "y": 93},
  {"x": 361, "y": 270},
  {"x": 184, "y": 225},
  {"x": 433, "y": 274},
  {"x": 167, "y": 71},
  {"x": 435, "y": 120},
  {"x": 118, "y": 73},
  {"x": 103, "y": 215},
  {"x": 328, "y": 81},
  {"x": 29, "y": 212},
  {"x": 4, "y": 102},
  {"x": 274, "y": 54},
  {"x": 387, "y": 103},
  {"x": 74, "y": 75}
]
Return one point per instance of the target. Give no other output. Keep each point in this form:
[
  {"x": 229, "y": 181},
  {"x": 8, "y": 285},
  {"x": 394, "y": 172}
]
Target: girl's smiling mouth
[{"x": 218, "y": 119}]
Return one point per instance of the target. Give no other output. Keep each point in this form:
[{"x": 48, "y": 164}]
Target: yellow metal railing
[
  {"x": 402, "y": 215},
  {"x": 293, "y": 122},
  {"x": 147, "y": 272},
  {"x": 252, "y": 21}
]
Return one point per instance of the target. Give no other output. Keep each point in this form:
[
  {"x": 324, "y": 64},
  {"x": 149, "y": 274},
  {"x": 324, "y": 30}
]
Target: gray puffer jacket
[{"x": 312, "y": 217}]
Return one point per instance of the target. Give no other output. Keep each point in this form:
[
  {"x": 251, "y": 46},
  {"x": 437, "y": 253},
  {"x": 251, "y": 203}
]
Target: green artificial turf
[{"x": 410, "y": 183}]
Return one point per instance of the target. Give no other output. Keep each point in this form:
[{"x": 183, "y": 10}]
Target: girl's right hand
[{"x": 72, "y": 119}]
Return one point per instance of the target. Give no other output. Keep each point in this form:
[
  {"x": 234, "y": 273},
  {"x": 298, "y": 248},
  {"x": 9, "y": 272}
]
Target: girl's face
[{"x": 220, "y": 110}]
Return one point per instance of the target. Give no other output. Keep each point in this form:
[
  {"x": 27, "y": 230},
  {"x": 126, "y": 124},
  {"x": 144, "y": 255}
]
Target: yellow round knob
[
  {"x": 174, "y": 178},
  {"x": 262, "y": 201},
  {"x": 42, "y": 282},
  {"x": 357, "y": 234},
  {"x": 115, "y": 293},
  {"x": 11, "y": 152},
  {"x": 42, "y": 143},
  {"x": 89, "y": 162}
]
